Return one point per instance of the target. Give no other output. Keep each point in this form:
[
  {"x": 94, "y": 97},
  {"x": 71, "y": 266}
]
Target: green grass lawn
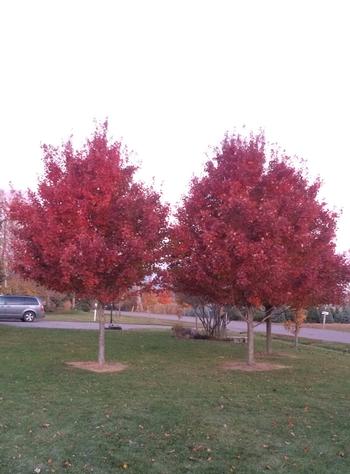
[{"x": 173, "y": 411}]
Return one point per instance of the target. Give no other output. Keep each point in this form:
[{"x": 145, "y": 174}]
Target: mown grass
[
  {"x": 319, "y": 344},
  {"x": 173, "y": 411}
]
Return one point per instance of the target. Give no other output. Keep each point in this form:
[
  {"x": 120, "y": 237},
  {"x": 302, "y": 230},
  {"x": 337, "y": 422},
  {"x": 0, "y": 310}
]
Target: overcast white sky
[{"x": 172, "y": 77}]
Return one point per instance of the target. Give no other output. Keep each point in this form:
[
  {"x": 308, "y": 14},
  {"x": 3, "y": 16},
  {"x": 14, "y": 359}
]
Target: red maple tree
[
  {"x": 306, "y": 228},
  {"x": 89, "y": 228},
  {"x": 241, "y": 236}
]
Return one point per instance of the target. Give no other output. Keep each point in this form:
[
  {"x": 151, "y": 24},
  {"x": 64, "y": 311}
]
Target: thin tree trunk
[
  {"x": 139, "y": 304},
  {"x": 250, "y": 332},
  {"x": 4, "y": 253},
  {"x": 73, "y": 301},
  {"x": 101, "y": 336},
  {"x": 269, "y": 336},
  {"x": 47, "y": 300},
  {"x": 296, "y": 339}
]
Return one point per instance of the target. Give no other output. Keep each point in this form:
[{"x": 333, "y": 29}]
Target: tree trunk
[
  {"x": 269, "y": 336},
  {"x": 139, "y": 304},
  {"x": 73, "y": 301},
  {"x": 101, "y": 336},
  {"x": 296, "y": 339},
  {"x": 4, "y": 253},
  {"x": 250, "y": 333}
]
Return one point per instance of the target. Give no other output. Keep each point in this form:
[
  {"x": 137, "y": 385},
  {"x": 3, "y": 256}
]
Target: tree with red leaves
[
  {"x": 89, "y": 228},
  {"x": 307, "y": 230},
  {"x": 324, "y": 279},
  {"x": 240, "y": 235}
]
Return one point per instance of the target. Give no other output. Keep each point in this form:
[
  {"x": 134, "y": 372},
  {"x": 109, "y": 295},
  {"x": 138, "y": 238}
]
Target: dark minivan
[{"x": 26, "y": 308}]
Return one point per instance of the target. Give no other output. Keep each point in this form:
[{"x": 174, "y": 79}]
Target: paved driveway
[
  {"x": 308, "y": 333},
  {"x": 76, "y": 325},
  {"x": 239, "y": 326}
]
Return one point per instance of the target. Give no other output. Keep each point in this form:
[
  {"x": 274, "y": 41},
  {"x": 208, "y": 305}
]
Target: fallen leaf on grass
[{"x": 198, "y": 447}]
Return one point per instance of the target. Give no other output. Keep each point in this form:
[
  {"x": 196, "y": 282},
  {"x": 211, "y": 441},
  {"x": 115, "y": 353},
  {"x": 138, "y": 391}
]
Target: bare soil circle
[{"x": 93, "y": 366}]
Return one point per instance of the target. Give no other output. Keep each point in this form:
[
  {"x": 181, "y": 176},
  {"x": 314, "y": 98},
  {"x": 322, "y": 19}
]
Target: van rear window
[{"x": 21, "y": 300}]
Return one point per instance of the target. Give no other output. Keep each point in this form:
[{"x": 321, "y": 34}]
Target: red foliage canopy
[
  {"x": 252, "y": 232},
  {"x": 89, "y": 228},
  {"x": 316, "y": 274}
]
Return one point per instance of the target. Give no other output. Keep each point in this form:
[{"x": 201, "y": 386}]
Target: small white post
[
  {"x": 324, "y": 315},
  {"x": 95, "y": 312}
]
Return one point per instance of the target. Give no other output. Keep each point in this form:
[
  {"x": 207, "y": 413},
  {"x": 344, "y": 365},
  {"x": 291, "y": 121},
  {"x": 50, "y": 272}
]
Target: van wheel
[{"x": 29, "y": 316}]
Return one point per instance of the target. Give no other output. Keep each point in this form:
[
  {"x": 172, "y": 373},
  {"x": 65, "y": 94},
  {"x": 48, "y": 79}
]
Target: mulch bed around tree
[
  {"x": 93, "y": 366},
  {"x": 257, "y": 367}
]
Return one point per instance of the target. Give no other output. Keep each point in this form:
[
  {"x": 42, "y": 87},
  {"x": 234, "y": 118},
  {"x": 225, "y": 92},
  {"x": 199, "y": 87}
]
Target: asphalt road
[
  {"x": 308, "y": 333},
  {"x": 238, "y": 326},
  {"x": 75, "y": 325}
]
